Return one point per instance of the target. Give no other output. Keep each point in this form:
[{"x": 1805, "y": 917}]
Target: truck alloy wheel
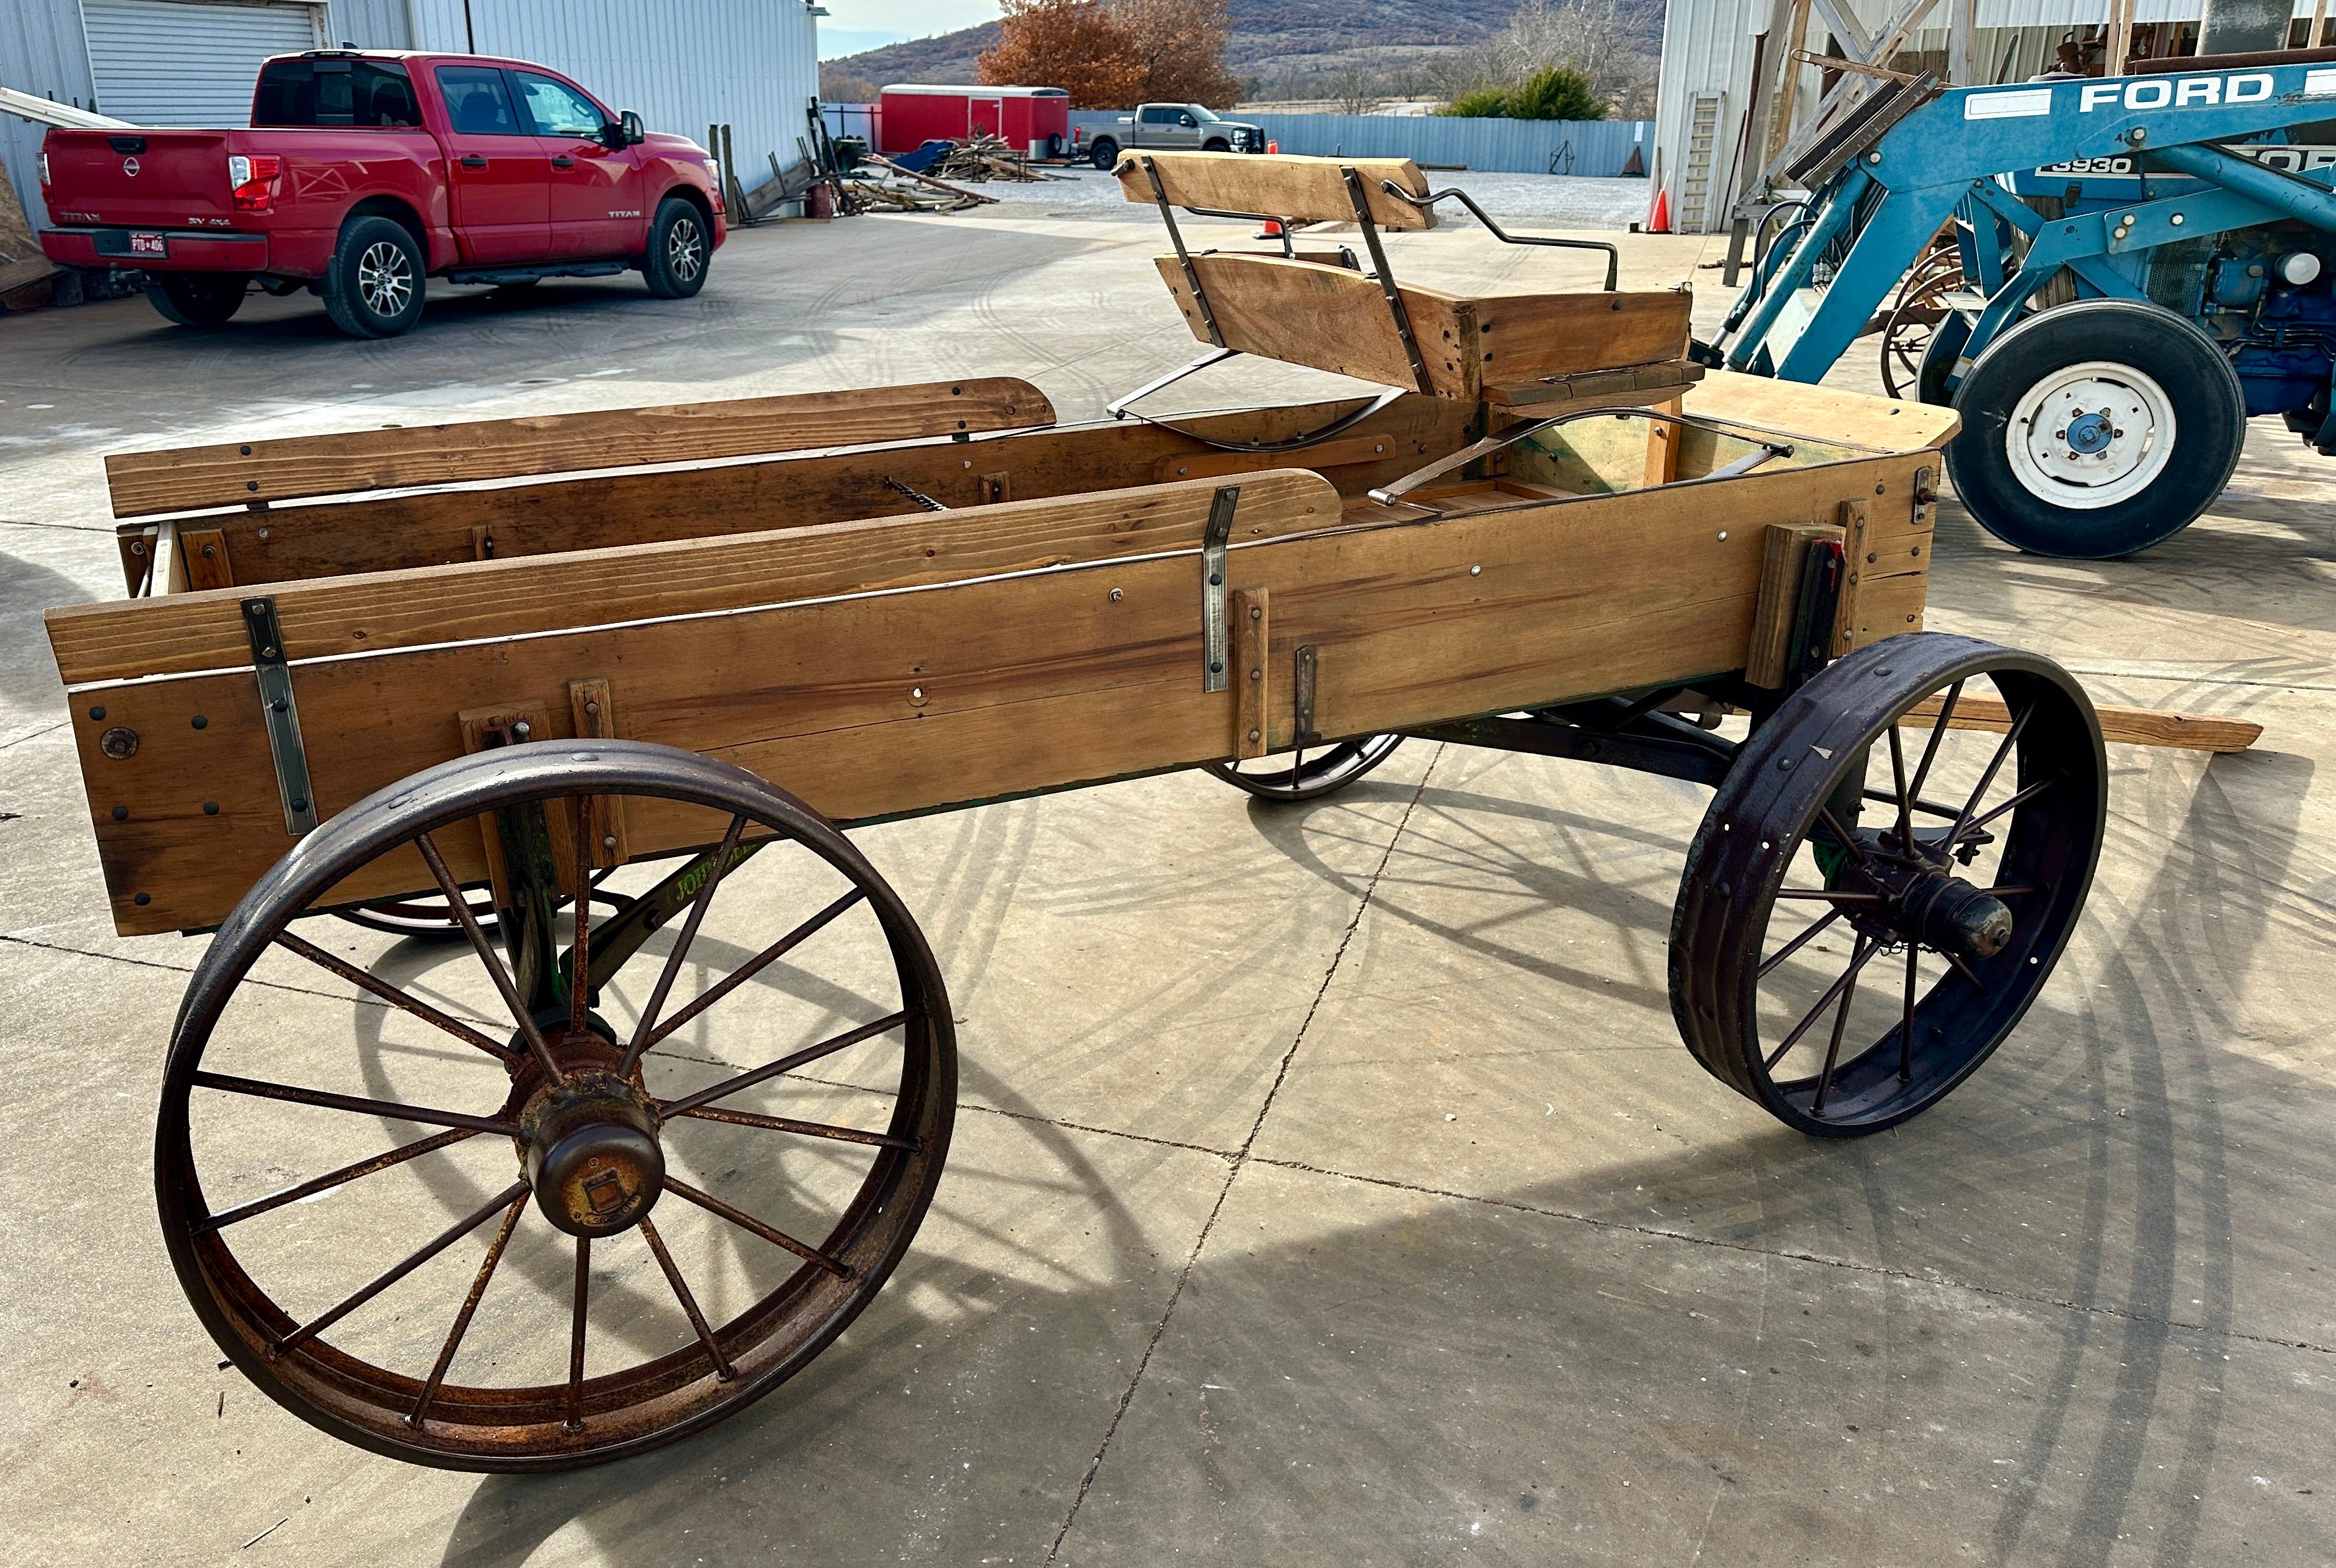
[
  {"x": 2096, "y": 429},
  {"x": 376, "y": 287},
  {"x": 675, "y": 266}
]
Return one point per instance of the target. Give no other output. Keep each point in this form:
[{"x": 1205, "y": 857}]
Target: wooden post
[
  {"x": 2319, "y": 17},
  {"x": 1780, "y": 124},
  {"x": 1662, "y": 443},
  {"x": 1852, "y": 573}
]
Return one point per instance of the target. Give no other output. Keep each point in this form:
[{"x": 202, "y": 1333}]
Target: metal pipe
[{"x": 2303, "y": 200}]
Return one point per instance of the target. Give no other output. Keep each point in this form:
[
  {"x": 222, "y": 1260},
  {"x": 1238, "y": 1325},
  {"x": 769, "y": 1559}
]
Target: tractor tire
[
  {"x": 197, "y": 298},
  {"x": 2096, "y": 430}
]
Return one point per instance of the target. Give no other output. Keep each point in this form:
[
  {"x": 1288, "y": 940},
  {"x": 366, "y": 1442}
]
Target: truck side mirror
[
  {"x": 1186, "y": 121},
  {"x": 629, "y": 126}
]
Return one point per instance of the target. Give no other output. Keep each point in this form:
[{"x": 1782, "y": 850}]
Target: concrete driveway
[{"x": 1329, "y": 1183}]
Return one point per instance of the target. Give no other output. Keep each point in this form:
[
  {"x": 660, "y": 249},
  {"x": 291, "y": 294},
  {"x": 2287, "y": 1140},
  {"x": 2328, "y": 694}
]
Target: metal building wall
[
  {"x": 683, "y": 64},
  {"x": 1707, "y": 48},
  {"x": 1585, "y": 147}
]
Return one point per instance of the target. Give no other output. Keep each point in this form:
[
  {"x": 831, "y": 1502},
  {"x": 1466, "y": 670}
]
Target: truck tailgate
[{"x": 140, "y": 179}]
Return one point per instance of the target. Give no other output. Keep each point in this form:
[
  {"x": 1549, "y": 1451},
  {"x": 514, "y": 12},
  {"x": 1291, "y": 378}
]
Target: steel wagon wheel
[
  {"x": 1309, "y": 773},
  {"x": 1874, "y": 899},
  {"x": 611, "y": 1246},
  {"x": 429, "y": 917}
]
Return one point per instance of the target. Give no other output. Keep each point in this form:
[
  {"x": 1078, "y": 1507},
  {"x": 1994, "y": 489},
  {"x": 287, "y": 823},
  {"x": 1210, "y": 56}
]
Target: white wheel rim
[
  {"x": 2090, "y": 435},
  {"x": 683, "y": 250},
  {"x": 383, "y": 281}
]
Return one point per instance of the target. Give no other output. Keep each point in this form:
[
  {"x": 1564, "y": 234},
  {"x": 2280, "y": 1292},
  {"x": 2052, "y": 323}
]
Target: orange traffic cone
[
  {"x": 1272, "y": 147},
  {"x": 1658, "y": 221}
]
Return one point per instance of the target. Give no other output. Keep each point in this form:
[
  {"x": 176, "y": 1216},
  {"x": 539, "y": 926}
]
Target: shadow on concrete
[{"x": 28, "y": 672}]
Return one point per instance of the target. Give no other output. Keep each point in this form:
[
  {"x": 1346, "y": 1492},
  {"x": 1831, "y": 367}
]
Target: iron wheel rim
[{"x": 1310, "y": 771}]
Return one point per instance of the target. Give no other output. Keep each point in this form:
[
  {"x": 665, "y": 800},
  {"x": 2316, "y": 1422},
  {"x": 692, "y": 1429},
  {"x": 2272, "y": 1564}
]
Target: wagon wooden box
[{"x": 466, "y": 682}]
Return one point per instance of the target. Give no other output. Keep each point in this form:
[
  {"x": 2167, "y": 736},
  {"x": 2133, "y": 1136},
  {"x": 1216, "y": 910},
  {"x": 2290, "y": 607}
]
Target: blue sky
[{"x": 851, "y": 25}]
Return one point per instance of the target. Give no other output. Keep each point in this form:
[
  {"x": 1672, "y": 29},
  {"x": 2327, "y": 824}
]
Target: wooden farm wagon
[{"x": 468, "y": 680}]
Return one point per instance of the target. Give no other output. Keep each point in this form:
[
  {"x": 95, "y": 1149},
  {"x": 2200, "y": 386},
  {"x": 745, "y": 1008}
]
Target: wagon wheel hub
[
  {"x": 1935, "y": 907},
  {"x": 592, "y": 1154}
]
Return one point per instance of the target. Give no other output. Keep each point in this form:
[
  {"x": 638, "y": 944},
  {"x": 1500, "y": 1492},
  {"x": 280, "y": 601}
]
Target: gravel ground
[{"x": 1558, "y": 201}]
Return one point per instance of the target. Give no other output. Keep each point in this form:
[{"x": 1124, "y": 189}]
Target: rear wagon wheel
[{"x": 375, "y": 284}]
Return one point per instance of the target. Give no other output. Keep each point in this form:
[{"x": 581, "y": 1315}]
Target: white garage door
[{"x": 181, "y": 62}]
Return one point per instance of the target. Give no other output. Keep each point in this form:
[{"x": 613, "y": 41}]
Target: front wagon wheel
[
  {"x": 1885, "y": 879},
  {"x": 530, "y": 1206}
]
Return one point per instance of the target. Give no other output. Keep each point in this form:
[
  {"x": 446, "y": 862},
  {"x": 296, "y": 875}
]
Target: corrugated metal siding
[
  {"x": 683, "y": 64},
  {"x": 1591, "y": 147},
  {"x": 169, "y": 63},
  {"x": 41, "y": 52},
  {"x": 1706, "y": 49}
]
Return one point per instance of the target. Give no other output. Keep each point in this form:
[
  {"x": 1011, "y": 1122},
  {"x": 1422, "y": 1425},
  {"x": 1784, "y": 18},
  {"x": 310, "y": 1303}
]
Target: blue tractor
[{"x": 2145, "y": 262}]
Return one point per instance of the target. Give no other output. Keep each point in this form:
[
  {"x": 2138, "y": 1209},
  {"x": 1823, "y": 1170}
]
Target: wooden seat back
[
  {"x": 1276, "y": 185},
  {"x": 1474, "y": 347},
  {"x": 190, "y": 478}
]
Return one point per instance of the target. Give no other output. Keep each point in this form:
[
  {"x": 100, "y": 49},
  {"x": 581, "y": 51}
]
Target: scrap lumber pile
[
  {"x": 881, "y": 185},
  {"x": 980, "y": 158}
]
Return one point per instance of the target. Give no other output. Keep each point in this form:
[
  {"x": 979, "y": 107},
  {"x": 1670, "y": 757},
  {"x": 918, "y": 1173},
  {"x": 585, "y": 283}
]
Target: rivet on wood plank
[
  {"x": 211, "y": 808},
  {"x": 200, "y": 722}
]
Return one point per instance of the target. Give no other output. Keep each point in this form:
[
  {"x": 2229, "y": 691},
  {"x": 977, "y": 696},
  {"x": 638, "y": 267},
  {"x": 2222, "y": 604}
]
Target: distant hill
[{"x": 1271, "y": 38}]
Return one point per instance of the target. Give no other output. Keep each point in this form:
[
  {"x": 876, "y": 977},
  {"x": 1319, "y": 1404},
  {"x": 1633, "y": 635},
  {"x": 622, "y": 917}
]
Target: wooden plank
[
  {"x": 1783, "y": 550},
  {"x": 1638, "y": 385},
  {"x": 1822, "y": 414},
  {"x": 592, "y": 714},
  {"x": 183, "y": 478},
  {"x": 2124, "y": 726},
  {"x": 1252, "y": 690},
  {"x": 207, "y": 560},
  {"x": 1278, "y": 185},
  {"x": 1890, "y": 605},
  {"x": 596, "y": 512},
  {"x": 372, "y": 613},
  {"x": 1662, "y": 444},
  {"x": 1322, "y": 456},
  {"x": 1333, "y": 319},
  {"x": 912, "y": 699},
  {"x": 1845, "y": 622}
]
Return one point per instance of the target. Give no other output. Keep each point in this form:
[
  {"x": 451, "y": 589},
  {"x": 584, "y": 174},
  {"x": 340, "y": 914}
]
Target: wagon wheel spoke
[
  {"x": 2018, "y": 798},
  {"x": 1906, "y": 1023},
  {"x": 1848, "y": 988},
  {"x": 1797, "y": 944},
  {"x": 403, "y": 1000},
  {"x": 808, "y": 1129},
  {"x": 1927, "y": 808},
  {"x": 462, "y": 1317},
  {"x": 1994, "y": 765},
  {"x": 1906, "y": 796},
  {"x": 399, "y": 1269},
  {"x": 262, "y": 1089},
  {"x": 576, "y": 1325},
  {"x": 645, "y": 1034},
  {"x": 1931, "y": 747},
  {"x": 746, "y": 1222},
  {"x": 1849, "y": 978},
  {"x": 757, "y": 964},
  {"x": 579, "y": 952},
  {"x": 488, "y": 956},
  {"x": 1833, "y": 895},
  {"x": 722, "y": 1366},
  {"x": 1847, "y": 839},
  {"x": 326, "y": 1183},
  {"x": 787, "y": 1064}
]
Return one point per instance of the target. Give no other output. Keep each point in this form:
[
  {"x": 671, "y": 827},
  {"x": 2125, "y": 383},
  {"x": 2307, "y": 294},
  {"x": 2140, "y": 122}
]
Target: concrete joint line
[{"x": 1241, "y": 1157}]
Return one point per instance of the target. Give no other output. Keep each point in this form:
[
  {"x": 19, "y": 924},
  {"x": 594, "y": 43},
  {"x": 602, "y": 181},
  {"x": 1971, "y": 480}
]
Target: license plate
[{"x": 149, "y": 245}]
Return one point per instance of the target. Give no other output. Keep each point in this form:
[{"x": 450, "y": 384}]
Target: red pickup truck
[{"x": 363, "y": 173}]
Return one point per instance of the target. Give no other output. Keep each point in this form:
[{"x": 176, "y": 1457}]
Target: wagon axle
[{"x": 1926, "y": 903}]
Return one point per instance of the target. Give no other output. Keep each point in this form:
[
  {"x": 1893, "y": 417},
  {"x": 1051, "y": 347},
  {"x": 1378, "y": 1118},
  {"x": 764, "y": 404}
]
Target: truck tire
[
  {"x": 2096, "y": 429},
  {"x": 680, "y": 250},
  {"x": 1216, "y": 144},
  {"x": 375, "y": 283},
  {"x": 197, "y": 298},
  {"x": 1104, "y": 154}
]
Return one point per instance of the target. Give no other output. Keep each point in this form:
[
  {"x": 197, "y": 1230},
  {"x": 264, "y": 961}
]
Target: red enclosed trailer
[{"x": 1036, "y": 120}]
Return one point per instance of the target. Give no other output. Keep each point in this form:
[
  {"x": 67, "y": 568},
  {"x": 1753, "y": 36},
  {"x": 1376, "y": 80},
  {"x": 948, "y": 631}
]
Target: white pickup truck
[{"x": 1162, "y": 127}]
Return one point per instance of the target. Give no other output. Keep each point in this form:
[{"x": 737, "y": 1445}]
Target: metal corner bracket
[{"x": 282, "y": 718}]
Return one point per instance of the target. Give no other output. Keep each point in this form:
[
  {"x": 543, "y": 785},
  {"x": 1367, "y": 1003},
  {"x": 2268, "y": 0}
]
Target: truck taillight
[
  {"x": 254, "y": 179},
  {"x": 44, "y": 168}
]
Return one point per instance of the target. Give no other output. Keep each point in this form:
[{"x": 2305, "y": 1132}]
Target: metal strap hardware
[
  {"x": 1216, "y": 654},
  {"x": 283, "y": 719},
  {"x": 1379, "y": 270},
  {"x": 1302, "y": 687},
  {"x": 1392, "y": 493},
  {"x": 1184, "y": 257},
  {"x": 1426, "y": 203}
]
